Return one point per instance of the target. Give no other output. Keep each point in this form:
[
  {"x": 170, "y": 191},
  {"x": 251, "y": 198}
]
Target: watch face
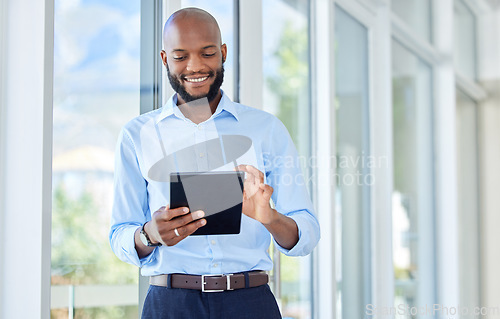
[{"x": 143, "y": 238}]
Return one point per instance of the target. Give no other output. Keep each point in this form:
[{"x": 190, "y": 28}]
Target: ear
[
  {"x": 223, "y": 50},
  {"x": 163, "y": 55}
]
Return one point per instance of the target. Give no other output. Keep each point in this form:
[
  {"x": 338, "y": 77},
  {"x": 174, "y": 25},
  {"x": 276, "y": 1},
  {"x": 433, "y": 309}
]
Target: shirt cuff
[
  {"x": 308, "y": 235},
  {"x": 129, "y": 254}
]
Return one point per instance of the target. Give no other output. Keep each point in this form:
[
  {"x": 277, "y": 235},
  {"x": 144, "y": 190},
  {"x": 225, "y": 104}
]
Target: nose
[{"x": 194, "y": 64}]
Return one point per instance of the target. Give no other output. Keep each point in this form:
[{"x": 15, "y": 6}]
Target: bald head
[
  {"x": 194, "y": 55},
  {"x": 188, "y": 20}
]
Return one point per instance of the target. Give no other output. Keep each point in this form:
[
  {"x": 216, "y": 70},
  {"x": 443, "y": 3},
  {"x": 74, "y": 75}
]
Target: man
[{"x": 147, "y": 233}]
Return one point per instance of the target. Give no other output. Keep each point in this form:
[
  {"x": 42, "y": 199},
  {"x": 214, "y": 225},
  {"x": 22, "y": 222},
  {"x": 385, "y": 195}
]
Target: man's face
[
  {"x": 194, "y": 59},
  {"x": 176, "y": 83}
]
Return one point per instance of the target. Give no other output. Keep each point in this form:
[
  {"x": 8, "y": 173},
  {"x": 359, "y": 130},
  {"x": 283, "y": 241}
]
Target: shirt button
[
  {"x": 212, "y": 242},
  {"x": 202, "y": 154},
  {"x": 215, "y": 265},
  {"x": 200, "y": 127}
]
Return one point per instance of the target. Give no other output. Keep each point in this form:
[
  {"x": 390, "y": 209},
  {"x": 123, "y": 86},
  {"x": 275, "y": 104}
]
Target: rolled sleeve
[
  {"x": 123, "y": 244},
  {"x": 308, "y": 234},
  {"x": 130, "y": 204}
]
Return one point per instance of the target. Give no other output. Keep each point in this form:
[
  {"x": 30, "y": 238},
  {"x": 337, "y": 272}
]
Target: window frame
[
  {"x": 427, "y": 237},
  {"x": 477, "y": 230}
]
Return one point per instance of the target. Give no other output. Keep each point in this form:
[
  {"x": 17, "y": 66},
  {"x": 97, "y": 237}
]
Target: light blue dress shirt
[{"x": 150, "y": 137}]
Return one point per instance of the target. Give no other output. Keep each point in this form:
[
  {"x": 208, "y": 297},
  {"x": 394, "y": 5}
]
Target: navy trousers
[{"x": 173, "y": 303}]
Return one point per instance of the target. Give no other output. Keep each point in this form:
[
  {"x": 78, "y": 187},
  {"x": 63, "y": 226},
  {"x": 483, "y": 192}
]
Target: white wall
[
  {"x": 489, "y": 131},
  {"x": 26, "y": 150},
  {"x": 2, "y": 136},
  {"x": 489, "y": 157}
]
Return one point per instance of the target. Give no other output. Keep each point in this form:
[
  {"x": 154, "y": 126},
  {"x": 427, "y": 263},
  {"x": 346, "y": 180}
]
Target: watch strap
[{"x": 143, "y": 232}]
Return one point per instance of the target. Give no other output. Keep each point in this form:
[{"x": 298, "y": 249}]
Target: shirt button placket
[{"x": 216, "y": 255}]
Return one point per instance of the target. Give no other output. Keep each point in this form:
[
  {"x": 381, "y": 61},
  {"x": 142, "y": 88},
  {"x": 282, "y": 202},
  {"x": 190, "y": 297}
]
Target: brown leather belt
[{"x": 211, "y": 283}]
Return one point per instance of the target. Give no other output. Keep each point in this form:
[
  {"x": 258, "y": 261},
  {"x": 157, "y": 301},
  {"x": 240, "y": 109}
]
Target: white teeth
[{"x": 197, "y": 80}]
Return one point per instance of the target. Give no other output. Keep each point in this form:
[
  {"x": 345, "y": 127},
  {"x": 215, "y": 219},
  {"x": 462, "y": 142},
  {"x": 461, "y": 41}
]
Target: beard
[{"x": 186, "y": 97}]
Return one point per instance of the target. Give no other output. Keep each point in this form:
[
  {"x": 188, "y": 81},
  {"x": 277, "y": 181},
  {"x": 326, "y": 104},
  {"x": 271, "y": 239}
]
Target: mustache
[{"x": 209, "y": 73}]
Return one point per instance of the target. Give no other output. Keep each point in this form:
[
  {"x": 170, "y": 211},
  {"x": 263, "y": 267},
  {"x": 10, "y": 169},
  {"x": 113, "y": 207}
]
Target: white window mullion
[
  {"x": 382, "y": 149},
  {"x": 447, "y": 272},
  {"x": 168, "y": 7},
  {"x": 26, "y": 158},
  {"x": 251, "y": 71},
  {"x": 323, "y": 96}
]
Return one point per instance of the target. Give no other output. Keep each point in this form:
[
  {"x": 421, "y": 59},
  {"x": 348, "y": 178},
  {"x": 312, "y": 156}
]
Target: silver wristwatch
[{"x": 145, "y": 238}]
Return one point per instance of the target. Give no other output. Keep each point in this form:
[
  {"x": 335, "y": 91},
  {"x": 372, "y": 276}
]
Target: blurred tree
[
  {"x": 81, "y": 254},
  {"x": 290, "y": 84}
]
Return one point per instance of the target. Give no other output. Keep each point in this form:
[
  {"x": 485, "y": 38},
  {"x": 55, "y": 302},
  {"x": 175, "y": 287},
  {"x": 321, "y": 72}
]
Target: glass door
[
  {"x": 353, "y": 163},
  {"x": 413, "y": 217},
  {"x": 286, "y": 94},
  {"x": 96, "y": 91}
]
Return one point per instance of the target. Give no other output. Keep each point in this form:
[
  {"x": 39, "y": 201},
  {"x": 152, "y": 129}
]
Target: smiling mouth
[{"x": 196, "y": 80}]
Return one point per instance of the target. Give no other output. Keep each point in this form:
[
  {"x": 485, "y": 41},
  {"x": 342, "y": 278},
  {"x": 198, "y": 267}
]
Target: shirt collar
[{"x": 170, "y": 108}]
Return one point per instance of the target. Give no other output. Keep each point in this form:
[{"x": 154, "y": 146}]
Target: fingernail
[
  {"x": 199, "y": 214},
  {"x": 203, "y": 222},
  {"x": 185, "y": 209}
]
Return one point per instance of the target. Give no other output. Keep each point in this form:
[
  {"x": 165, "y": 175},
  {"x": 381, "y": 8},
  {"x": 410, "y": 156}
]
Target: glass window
[
  {"x": 286, "y": 94},
  {"x": 412, "y": 198},
  {"x": 417, "y": 14},
  {"x": 223, "y": 12},
  {"x": 353, "y": 167},
  {"x": 96, "y": 91},
  {"x": 464, "y": 40},
  {"x": 468, "y": 202}
]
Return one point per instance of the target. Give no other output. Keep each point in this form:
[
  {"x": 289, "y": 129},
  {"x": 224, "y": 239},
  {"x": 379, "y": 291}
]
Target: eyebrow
[{"x": 204, "y": 48}]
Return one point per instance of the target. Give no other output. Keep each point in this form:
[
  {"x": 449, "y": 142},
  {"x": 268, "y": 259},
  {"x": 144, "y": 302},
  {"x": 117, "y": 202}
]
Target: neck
[{"x": 197, "y": 111}]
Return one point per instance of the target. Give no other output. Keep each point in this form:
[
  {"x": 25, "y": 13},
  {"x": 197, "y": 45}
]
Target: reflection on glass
[
  {"x": 412, "y": 200},
  {"x": 286, "y": 94},
  {"x": 96, "y": 90},
  {"x": 353, "y": 182},
  {"x": 464, "y": 39},
  {"x": 417, "y": 14},
  {"x": 222, "y": 10},
  {"x": 468, "y": 202}
]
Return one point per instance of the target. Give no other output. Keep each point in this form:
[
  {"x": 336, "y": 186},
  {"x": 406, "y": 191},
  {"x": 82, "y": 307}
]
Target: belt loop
[
  {"x": 247, "y": 279},
  {"x": 169, "y": 281}
]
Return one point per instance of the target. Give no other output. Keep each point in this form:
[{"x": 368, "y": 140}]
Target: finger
[
  {"x": 173, "y": 213},
  {"x": 267, "y": 191},
  {"x": 186, "y": 230},
  {"x": 160, "y": 213},
  {"x": 258, "y": 174},
  {"x": 241, "y": 167},
  {"x": 251, "y": 186},
  {"x": 186, "y": 219},
  {"x": 250, "y": 178}
]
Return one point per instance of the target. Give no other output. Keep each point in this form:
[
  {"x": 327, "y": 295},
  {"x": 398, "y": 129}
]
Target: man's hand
[
  {"x": 161, "y": 228},
  {"x": 166, "y": 224},
  {"x": 256, "y": 196}
]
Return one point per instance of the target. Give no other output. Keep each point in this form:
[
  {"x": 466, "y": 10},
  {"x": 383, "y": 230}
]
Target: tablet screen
[{"x": 218, "y": 194}]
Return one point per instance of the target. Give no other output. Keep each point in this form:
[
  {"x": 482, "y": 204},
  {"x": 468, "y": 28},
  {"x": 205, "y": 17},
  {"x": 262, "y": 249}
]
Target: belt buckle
[{"x": 203, "y": 283}]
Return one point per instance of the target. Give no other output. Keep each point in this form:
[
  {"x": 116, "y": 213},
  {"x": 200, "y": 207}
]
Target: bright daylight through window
[{"x": 96, "y": 91}]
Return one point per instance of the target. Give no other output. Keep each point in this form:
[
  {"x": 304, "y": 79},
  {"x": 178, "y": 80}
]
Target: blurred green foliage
[
  {"x": 80, "y": 249},
  {"x": 81, "y": 253},
  {"x": 290, "y": 84}
]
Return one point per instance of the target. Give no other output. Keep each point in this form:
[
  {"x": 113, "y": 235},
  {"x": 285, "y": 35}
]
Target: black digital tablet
[{"x": 218, "y": 194}]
